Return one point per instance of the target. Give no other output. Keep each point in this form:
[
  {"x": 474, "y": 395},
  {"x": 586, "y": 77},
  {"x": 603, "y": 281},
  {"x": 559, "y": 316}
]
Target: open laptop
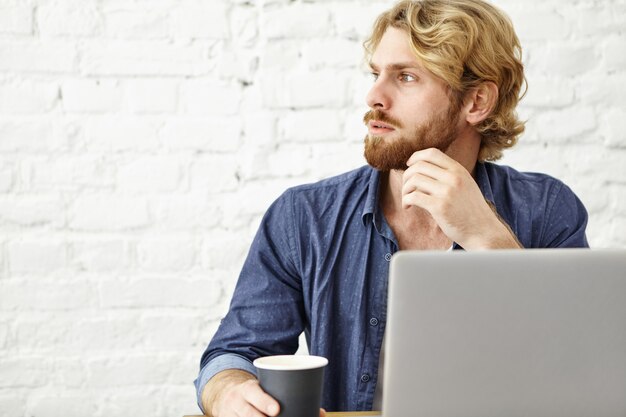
[{"x": 533, "y": 333}]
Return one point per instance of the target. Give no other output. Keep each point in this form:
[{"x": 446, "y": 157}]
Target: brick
[
  {"x": 613, "y": 52},
  {"x": 177, "y": 399},
  {"x": 57, "y": 404},
  {"x": 214, "y": 174},
  {"x": 331, "y": 159},
  {"x": 101, "y": 255},
  {"x": 120, "y": 57},
  {"x": 148, "y": 20},
  {"x": 185, "y": 213},
  {"x": 69, "y": 172},
  {"x": 311, "y": 126},
  {"x": 70, "y": 17},
  {"x": 539, "y": 24},
  {"x": 195, "y": 19},
  {"x": 91, "y": 96},
  {"x": 166, "y": 254},
  {"x": 605, "y": 90},
  {"x": 28, "y": 96},
  {"x": 121, "y": 133},
  {"x": 280, "y": 55},
  {"x": 4, "y": 336},
  {"x": 208, "y": 97},
  {"x": 565, "y": 59},
  {"x": 613, "y": 128},
  {"x": 223, "y": 249},
  {"x": 354, "y": 20},
  {"x": 132, "y": 401},
  {"x": 240, "y": 64},
  {"x": 260, "y": 128},
  {"x": 590, "y": 19},
  {"x": 354, "y": 130},
  {"x": 36, "y": 255},
  {"x": 37, "y": 56},
  {"x": 566, "y": 125},
  {"x": 290, "y": 160},
  {"x": 46, "y": 295},
  {"x": 166, "y": 332},
  {"x": 32, "y": 210},
  {"x": 176, "y": 291},
  {"x": 548, "y": 92},
  {"x": 26, "y": 135},
  {"x": 87, "y": 334},
  {"x": 202, "y": 134},
  {"x": 254, "y": 163},
  {"x": 300, "y": 89},
  {"x": 151, "y": 96},
  {"x": 325, "y": 53},
  {"x": 244, "y": 25},
  {"x": 74, "y": 336},
  {"x": 7, "y": 178},
  {"x": 108, "y": 212},
  {"x": 11, "y": 405},
  {"x": 23, "y": 372},
  {"x": 149, "y": 174},
  {"x": 16, "y": 19},
  {"x": 296, "y": 21}
]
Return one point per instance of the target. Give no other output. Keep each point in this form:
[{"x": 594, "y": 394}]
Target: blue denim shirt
[{"x": 319, "y": 264}]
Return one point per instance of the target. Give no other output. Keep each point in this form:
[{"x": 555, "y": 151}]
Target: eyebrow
[{"x": 397, "y": 66}]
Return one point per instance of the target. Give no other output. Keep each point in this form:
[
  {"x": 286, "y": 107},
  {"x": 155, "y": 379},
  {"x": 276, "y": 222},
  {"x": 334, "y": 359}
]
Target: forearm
[{"x": 218, "y": 384}]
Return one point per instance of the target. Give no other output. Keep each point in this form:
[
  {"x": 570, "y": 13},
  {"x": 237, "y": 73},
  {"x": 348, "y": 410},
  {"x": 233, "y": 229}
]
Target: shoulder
[
  {"x": 523, "y": 187},
  {"x": 356, "y": 177},
  {"x": 543, "y": 210}
]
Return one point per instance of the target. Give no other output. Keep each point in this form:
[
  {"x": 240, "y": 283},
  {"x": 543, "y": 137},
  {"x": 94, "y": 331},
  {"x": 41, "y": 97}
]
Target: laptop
[{"x": 512, "y": 333}]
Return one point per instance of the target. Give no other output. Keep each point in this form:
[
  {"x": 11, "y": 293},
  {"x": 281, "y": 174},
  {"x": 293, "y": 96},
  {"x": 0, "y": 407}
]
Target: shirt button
[
  {"x": 365, "y": 378},
  {"x": 387, "y": 257},
  {"x": 373, "y": 321}
]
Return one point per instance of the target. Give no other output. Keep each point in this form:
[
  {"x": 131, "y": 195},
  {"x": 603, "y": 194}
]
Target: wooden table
[{"x": 340, "y": 414}]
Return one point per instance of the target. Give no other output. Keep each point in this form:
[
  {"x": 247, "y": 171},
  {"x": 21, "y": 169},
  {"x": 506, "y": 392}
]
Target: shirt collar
[{"x": 371, "y": 201}]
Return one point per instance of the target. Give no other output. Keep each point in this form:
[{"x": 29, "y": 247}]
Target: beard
[{"x": 392, "y": 154}]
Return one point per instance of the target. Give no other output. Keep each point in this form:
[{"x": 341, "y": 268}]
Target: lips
[{"x": 378, "y": 127}]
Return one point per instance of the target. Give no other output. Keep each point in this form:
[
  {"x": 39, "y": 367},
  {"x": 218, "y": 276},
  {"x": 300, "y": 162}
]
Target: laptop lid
[{"x": 506, "y": 333}]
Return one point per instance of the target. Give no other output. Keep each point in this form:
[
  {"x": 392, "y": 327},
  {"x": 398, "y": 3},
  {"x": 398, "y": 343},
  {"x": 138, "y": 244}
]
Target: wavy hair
[{"x": 465, "y": 42}]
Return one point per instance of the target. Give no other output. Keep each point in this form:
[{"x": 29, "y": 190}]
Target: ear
[{"x": 480, "y": 102}]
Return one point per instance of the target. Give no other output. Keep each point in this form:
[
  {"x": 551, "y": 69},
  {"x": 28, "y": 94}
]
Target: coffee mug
[{"x": 295, "y": 381}]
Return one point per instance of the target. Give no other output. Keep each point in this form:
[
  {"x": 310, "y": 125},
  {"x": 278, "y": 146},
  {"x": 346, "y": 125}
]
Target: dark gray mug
[{"x": 295, "y": 381}]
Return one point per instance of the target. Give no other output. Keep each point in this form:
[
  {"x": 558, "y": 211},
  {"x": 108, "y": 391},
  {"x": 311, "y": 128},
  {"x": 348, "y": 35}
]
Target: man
[{"x": 447, "y": 79}]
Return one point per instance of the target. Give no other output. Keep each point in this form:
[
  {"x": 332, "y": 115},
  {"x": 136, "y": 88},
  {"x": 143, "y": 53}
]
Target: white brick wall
[{"x": 140, "y": 142}]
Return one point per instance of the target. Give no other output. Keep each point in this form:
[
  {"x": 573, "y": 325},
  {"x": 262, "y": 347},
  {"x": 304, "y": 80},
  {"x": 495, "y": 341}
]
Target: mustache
[{"x": 381, "y": 117}]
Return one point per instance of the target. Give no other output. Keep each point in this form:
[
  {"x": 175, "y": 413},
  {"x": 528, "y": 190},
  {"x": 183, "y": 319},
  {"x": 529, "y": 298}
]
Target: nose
[{"x": 378, "y": 97}]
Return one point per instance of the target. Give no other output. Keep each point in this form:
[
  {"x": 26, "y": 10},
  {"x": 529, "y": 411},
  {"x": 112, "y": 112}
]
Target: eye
[
  {"x": 406, "y": 77},
  {"x": 374, "y": 75}
]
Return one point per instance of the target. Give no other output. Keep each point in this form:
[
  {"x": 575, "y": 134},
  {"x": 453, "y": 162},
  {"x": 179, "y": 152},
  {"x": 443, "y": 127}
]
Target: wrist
[{"x": 218, "y": 385}]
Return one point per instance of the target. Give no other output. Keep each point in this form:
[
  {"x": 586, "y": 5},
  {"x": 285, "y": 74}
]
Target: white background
[{"x": 141, "y": 141}]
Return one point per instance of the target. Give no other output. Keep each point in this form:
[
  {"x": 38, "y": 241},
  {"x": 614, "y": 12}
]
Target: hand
[
  {"x": 235, "y": 393},
  {"x": 444, "y": 188}
]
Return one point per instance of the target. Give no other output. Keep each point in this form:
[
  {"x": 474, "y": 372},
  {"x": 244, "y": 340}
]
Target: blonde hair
[{"x": 465, "y": 42}]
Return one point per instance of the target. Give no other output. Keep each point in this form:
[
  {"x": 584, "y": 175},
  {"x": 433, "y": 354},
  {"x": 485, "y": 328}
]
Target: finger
[
  {"x": 432, "y": 155},
  {"x": 421, "y": 183},
  {"x": 418, "y": 199},
  {"x": 247, "y": 410},
  {"x": 254, "y": 394},
  {"x": 322, "y": 412},
  {"x": 428, "y": 169}
]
